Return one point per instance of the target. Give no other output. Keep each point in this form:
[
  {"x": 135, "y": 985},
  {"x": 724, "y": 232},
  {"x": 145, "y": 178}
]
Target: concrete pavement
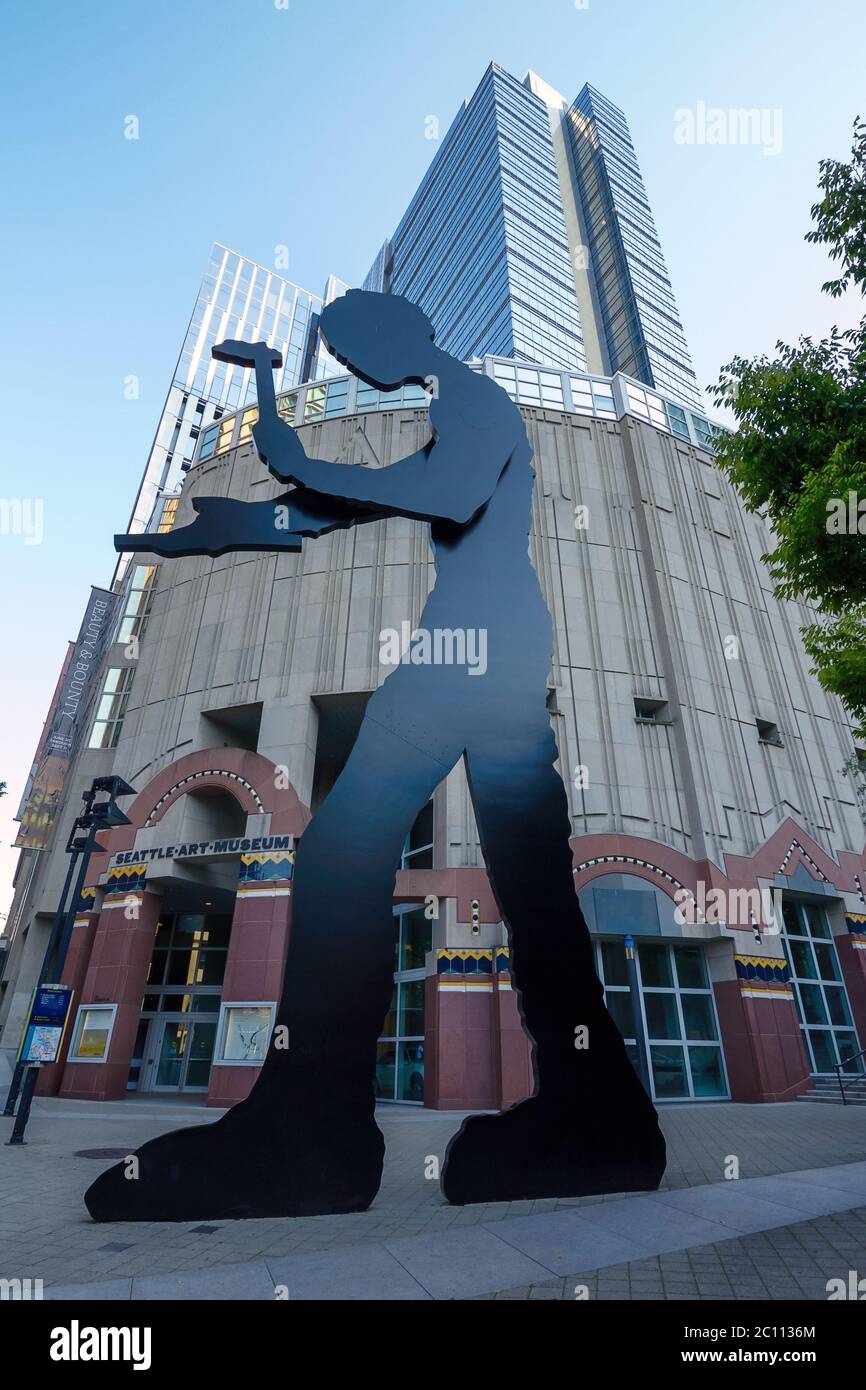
[
  {"x": 521, "y": 1253},
  {"x": 412, "y": 1245}
]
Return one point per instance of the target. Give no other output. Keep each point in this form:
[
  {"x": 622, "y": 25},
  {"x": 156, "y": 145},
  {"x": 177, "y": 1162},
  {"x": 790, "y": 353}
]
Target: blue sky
[{"x": 305, "y": 127}]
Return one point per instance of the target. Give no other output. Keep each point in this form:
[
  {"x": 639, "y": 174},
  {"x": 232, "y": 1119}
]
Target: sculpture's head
[{"x": 385, "y": 339}]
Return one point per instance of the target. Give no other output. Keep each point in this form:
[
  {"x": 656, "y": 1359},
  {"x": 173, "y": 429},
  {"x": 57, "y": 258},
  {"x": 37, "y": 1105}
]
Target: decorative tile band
[
  {"x": 795, "y": 844},
  {"x": 756, "y": 990},
  {"x": 187, "y": 782},
  {"x": 267, "y": 866},
  {"x": 279, "y": 889},
  {"x": 856, "y": 925},
  {"x": 771, "y": 970},
  {"x": 122, "y": 899},
  {"x": 126, "y": 878},
  {"x": 638, "y": 863},
  {"x": 490, "y": 961}
]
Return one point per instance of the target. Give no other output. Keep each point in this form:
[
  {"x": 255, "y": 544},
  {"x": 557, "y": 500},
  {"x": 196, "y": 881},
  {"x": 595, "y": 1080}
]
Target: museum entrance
[
  {"x": 183, "y": 1053},
  {"x": 677, "y": 1016},
  {"x": 176, "y": 1035}
]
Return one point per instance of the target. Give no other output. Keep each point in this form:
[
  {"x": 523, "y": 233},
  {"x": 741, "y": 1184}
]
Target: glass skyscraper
[
  {"x": 236, "y": 299},
  {"x": 530, "y": 236},
  {"x": 483, "y": 246},
  {"x": 639, "y": 319}
]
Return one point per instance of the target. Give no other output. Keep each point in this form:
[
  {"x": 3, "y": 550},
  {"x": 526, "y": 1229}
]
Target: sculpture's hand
[{"x": 222, "y": 524}]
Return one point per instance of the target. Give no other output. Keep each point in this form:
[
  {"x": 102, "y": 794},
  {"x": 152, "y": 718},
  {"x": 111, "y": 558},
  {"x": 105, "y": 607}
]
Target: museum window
[
  {"x": 768, "y": 732},
  {"x": 139, "y": 599},
  {"x": 338, "y": 398},
  {"x": 418, "y": 849},
  {"x": 169, "y": 513},
  {"x": 208, "y": 443},
  {"x": 823, "y": 1009},
  {"x": 678, "y": 1016},
  {"x": 704, "y": 431},
  {"x": 400, "y": 1050},
  {"x": 189, "y": 949},
  {"x": 248, "y": 419},
  {"x": 111, "y": 707},
  {"x": 650, "y": 711},
  {"x": 677, "y": 419},
  {"x": 224, "y": 438},
  {"x": 314, "y": 404}
]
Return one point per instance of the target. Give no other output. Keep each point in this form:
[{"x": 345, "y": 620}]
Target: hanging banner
[{"x": 42, "y": 798}]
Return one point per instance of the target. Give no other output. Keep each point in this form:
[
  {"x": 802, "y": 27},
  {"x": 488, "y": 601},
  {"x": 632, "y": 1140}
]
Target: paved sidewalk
[
  {"x": 789, "y": 1264},
  {"x": 45, "y": 1231},
  {"x": 520, "y": 1252}
]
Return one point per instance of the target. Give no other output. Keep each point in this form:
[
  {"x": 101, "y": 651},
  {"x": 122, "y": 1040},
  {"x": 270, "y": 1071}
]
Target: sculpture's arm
[
  {"x": 448, "y": 480},
  {"x": 441, "y": 482},
  {"x": 225, "y": 524}
]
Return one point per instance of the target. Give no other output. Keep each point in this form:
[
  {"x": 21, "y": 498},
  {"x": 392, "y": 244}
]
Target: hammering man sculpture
[{"x": 305, "y": 1141}]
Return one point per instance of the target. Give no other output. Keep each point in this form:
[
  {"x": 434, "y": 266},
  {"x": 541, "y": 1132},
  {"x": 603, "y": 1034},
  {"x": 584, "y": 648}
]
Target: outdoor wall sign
[
  {"x": 44, "y": 1030},
  {"x": 201, "y": 849},
  {"x": 305, "y": 1141}
]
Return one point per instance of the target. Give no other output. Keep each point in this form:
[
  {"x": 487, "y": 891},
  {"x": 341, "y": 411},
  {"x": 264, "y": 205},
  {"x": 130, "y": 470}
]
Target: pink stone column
[
  {"x": 74, "y": 975},
  {"x": 116, "y": 974},
  {"x": 515, "y": 1076},
  {"x": 256, "y": 960},
  {"x": 459, "y": 1049},
  {"x": 762, "y": 1042},
  {"x": 852, "y": 960}
]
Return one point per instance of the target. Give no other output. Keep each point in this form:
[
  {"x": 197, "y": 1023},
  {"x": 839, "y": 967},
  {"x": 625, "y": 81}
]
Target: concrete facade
[{"x": 725, "y": 777}]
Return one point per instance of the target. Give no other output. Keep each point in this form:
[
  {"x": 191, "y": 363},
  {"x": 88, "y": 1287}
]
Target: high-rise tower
[{"x": 531, "y": 236}]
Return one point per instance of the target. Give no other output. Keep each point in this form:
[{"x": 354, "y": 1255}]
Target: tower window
[
  {"x": 648, "y": 711},
  {"x": 768, "y": 732}
]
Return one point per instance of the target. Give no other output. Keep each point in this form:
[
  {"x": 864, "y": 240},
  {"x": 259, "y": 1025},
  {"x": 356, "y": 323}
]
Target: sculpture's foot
[
  {"x": 248, "y": 1164},
  {"x": 544, "y": 1148}
]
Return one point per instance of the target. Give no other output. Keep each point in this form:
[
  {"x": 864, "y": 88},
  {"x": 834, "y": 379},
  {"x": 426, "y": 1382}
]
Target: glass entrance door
[
  {"x": 400, "y": 1052},
  {"x": 184, "y": 1054},
  {"x": 176, "y": 1035},
  {"x": 819, "y": 990},
  {"x": 678, "y": 1015}
]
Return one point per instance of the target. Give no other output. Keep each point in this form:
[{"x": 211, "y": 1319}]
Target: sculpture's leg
[
  {"x": 590, "y": 1126},
  {"x": 305, "y": 1141}
]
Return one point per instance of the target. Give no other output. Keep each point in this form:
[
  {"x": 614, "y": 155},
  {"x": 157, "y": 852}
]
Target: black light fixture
[
  {"x": 107, "y": 815},
  {"x": 96, "y": 817},
  {"x": 115, "y": 786}
]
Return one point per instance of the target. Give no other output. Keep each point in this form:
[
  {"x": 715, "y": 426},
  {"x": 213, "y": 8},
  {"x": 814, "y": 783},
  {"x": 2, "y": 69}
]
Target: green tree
[{"x": 798, "y": 454}]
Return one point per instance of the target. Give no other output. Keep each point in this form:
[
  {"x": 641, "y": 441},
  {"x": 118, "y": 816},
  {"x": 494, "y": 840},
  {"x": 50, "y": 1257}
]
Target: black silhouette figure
[{"x": 305, "y": 1141}]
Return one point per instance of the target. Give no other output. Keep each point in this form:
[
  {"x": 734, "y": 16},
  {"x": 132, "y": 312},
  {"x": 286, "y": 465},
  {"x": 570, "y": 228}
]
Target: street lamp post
[{"x": 96, "y": 817}]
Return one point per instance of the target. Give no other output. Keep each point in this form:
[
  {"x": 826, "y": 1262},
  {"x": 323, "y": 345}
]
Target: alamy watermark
[
  {"x": 846, "y": 515},
  {"x": 760, "y": 126},
  {"x": 24, "y": 517},
  {"x": 745, "y": 908},
  {"x": 438, "y": 646}
]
